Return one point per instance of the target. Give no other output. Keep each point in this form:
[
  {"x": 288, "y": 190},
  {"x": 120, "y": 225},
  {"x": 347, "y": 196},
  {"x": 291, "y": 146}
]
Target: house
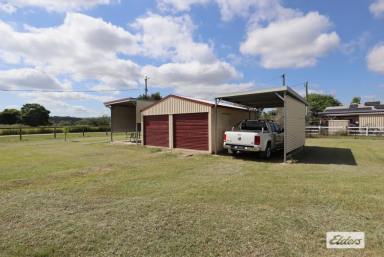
[{"x": 369, "y": 114}]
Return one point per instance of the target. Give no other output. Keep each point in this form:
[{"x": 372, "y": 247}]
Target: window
[{"x": 253, "y": 125}]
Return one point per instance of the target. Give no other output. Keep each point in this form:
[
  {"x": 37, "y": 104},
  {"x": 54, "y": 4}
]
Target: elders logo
[{"x": 345, "y": 240}]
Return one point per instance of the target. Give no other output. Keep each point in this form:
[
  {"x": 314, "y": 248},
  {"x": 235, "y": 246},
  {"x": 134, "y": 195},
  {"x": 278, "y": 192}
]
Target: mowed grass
[{"x": 87, "y": 197}]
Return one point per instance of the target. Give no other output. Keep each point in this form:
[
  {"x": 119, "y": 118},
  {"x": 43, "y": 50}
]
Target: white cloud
[
  {"x": 28, "y": 79},
  {"x": 377, "y": 8},
  {"x": 189, "y": 74},
  {"x": 90, "y": 50},
  {"x": 52, "y": 5},
  {"x": 83, "y": 47},
  {"x": 177, "y": 5},
  {"x": 206, "y": 91},
  {"x": 375, "y": 59},
  {"x": 171, "y": 38},
  {"x": 258, "y": 9},
  {"x": 193, "y": 65},
  {"x": 7, "y": 8},
  {"x": 229, "y": 9},
  {"x": 291, "y": 43},
  {"x": 282, "y": 37}
]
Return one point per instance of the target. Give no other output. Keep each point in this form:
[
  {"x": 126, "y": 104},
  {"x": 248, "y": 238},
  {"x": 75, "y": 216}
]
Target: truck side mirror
[{"x": 282, "y": 130}]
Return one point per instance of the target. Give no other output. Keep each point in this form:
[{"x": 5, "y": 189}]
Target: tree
[
  {"x": 10, "y": 116},
  {"x": 154, "y": 96},
  {"x": 356, "y": 100},
  {"x": 34, "y": 115},
  {"x": 318, "y": 103}
]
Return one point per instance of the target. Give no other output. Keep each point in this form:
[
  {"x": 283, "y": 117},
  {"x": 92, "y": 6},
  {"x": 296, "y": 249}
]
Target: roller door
[
  {"x": 191, "y": 131},
  {"x": 156, "y": 130}
]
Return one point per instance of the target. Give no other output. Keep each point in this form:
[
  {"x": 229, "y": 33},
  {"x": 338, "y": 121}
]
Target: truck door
[{"x": 279, "y": 136}]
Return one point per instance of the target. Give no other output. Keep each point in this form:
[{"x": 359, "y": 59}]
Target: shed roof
[
  {"x": 199, "y": 101},
  {"x": 122, "y": 101},
  {"x": 265, "y": 98}
]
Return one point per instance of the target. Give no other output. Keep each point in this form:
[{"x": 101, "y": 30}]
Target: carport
[{"x": 294, "y": 111}]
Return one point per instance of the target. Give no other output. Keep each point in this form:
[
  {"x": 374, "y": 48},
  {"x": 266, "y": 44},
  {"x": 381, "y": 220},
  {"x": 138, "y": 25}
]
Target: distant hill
[{"x": 64, "y": 119}]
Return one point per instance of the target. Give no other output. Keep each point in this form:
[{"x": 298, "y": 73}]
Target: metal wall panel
[
  {"x": 294, "y": 124},
  {"x": 174, "y": 105},
  {"x": 123, "y": 118},
  {"x": 226, "y": 119},
  {"x": 156, "y": 129},
  {"x": 371, "y": 120},
  {"x": 191, "y": 131},
  {"x": 140, "y": 105}
]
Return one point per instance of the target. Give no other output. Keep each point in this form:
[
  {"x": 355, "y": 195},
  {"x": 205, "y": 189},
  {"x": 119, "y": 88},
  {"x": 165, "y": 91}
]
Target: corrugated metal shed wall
[
  {"x": 338, "y": 123},
  {"x": 141, "y": 104},
  {"x": 227, "y": 118},
  {"x": 295, "y": 124},
  {"x": 174, "y": 105},
  {"x": 123, "y": 118},
  {"x": 371, "y": 121}
]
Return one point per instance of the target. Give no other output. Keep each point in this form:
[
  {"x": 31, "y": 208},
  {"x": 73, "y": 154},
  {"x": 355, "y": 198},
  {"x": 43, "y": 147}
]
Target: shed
[
  {"x": 125, "y": 114},
  {"x": 294, "y": 111},
  {"x": 189, "y": 123}
]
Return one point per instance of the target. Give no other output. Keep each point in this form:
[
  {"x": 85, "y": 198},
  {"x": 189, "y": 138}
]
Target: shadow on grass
[
  {"x": 311, "y": 155},
  {"x": 277, "y": 157},
  {"x": 326, "y": 155}
]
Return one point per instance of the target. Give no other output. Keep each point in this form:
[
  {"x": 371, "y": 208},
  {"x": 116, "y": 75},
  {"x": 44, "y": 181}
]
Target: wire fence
[
  {"x": 313, "y": 131},
  {"x": 14, "y": 133}
]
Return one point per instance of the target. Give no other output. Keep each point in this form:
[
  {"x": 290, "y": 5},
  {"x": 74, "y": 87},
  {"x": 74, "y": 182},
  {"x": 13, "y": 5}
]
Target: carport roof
[
  {"x": 123, "y": 101},
  {"x": 265, "y": 98}
]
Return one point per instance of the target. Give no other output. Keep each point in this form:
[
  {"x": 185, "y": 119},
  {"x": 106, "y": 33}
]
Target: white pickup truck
[{"x": 255, "y": 136}]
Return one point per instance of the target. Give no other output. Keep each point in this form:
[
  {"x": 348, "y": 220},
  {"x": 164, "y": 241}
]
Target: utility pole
[
  {"x": 283, "y": 77},
  {"x": 146, "y": 86},
  {"x": 307, "y": 108}
]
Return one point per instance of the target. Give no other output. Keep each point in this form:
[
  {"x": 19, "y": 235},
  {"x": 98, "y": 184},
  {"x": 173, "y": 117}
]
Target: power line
[{"x": 66, "y": 91}]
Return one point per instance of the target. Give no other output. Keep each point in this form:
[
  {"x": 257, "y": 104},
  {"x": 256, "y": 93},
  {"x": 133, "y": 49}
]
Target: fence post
[
  {"x": 367, "y": 131},
  {"x": 54, "y": 132},
  {"x": 83, "y": 132},
  {"x": 21, "y": 134},
  {"x": 65, "y": 134},
  {"x": 319, "y": 133}
]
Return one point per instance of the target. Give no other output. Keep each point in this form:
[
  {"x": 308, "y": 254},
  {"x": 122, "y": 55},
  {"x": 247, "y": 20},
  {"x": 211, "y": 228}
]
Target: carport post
[
  {"x": 215, "y": 138},
  {"x": 137, "y": 135},
  {"x": 110, "y": 125},
  {"x": 285, "y": 127}
]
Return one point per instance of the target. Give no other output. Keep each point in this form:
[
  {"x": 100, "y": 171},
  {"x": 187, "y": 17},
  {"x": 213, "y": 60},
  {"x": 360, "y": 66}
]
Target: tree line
[
  {"x": 29, "y": 114},
  {"x": 37, "y": 115}
]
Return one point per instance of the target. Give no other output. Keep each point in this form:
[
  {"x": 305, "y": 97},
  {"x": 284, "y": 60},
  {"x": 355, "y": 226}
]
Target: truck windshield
[{"x": 253, "y": 125}]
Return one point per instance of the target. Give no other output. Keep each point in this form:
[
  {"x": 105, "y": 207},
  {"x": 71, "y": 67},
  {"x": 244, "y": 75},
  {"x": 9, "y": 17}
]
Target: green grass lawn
[{"x": 86, "y": 197}]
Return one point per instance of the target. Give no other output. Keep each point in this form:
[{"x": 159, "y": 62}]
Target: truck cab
[{"x": 254, "y": 136}]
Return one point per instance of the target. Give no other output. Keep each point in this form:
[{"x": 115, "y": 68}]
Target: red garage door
[
  {"x": 191, "y": 131},
  {"x": 156, "y": 130}
]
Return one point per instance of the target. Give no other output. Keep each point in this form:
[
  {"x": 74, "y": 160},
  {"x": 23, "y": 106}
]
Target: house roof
[
  {"x": 199, "y": 101},
  {"x": 367, "y": 108},
  {"x": 264, "y": 98}
]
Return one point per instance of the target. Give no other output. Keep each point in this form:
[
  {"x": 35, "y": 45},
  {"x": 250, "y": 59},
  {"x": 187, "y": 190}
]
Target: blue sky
[{"x": 198, "y": 48}]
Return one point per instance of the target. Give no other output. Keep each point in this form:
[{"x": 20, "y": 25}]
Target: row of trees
[
  {"x": 29, "y": 114},
  {"x": 37, "y": 115}
]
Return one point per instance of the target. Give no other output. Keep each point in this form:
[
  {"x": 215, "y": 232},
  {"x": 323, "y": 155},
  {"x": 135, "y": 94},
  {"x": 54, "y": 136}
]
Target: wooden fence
[{"x": 344, "y": 131}]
